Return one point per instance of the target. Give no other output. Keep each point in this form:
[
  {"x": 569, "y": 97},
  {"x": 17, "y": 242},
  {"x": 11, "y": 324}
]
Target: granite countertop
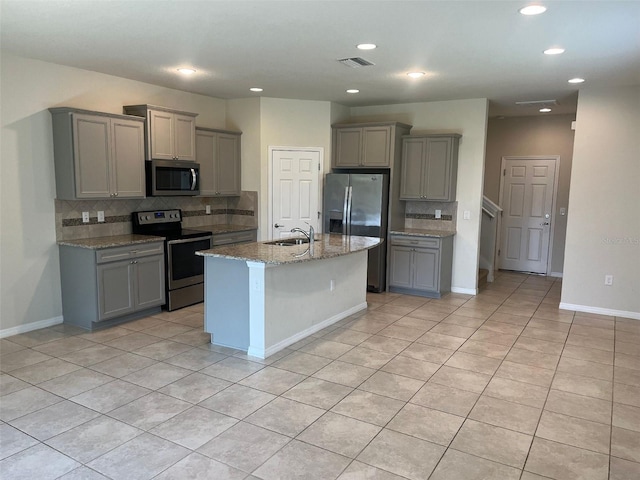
[
  {"x": 419, "y": 232},
  {"x": 98, "y": 243},
  {"x": 325, "y": 246},
  {"x": 225, "y": 228}
]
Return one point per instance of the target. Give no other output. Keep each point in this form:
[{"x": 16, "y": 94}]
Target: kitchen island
[{"x": 261, "y": 297}]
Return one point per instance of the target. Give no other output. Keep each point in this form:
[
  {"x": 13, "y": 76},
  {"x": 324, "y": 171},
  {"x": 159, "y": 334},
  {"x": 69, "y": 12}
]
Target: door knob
[{"x": 278, "y": 226}]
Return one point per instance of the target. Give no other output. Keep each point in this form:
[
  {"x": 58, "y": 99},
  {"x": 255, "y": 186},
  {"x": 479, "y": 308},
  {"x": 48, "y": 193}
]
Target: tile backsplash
[
  {"x": 423, "y": 215},
  {"x": 240, "y": 210}
]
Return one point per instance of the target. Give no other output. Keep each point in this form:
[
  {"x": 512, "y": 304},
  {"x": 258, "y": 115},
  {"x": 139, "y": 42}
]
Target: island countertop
[{"x": 324, "y": 246}]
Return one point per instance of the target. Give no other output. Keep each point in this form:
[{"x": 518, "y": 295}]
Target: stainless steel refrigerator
[{"x": 357, "y": 204}]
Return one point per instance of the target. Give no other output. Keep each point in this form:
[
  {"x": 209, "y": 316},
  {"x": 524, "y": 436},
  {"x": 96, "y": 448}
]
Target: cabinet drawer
[
  {"x": 234, "y": 237},
  {"x": 415, "y": 241},
  {"x": 130, "y": 251}
]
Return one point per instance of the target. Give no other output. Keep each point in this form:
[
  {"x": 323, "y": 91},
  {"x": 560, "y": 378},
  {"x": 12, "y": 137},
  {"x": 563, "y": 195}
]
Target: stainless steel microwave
[{"x": 172, "y": 177}]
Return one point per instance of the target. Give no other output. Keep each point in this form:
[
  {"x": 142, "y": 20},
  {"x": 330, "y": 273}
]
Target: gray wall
[{"x": 524, "y": 136}]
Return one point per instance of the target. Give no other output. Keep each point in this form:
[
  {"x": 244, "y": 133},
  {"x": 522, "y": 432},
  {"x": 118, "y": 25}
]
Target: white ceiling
[{"x": 469, "y": 49}]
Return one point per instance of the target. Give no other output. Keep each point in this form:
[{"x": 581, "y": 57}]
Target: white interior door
[
  {"x": 527, "y": 193},
  {"x": 295, "y": 191}
]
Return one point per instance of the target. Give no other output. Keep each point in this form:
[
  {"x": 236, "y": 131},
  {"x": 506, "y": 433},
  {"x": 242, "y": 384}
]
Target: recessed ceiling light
[
  {"x": 545, "y": 110},
  {"x": 256, "y": 89},
  {"x": 533, "y": 10},
  {"x": 353, "y": 90},
  {"x": 416, "y": 74},
  {"x": 554, "y": 51},
  {"x": 576, "y": 80},
  {"x": 187, "y": 71},
  {"x": 366, "y": 46}
]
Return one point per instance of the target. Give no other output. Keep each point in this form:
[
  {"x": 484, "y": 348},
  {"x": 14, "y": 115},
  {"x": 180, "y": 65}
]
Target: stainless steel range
[{"x": 184, "y": 269}]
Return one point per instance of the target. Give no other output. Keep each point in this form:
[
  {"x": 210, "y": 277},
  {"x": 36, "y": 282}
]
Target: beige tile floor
[{"x": 503, "y": 385}]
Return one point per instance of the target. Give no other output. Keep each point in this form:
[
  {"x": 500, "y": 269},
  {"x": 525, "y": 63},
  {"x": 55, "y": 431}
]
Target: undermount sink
[{"x": 286, "y": 242}]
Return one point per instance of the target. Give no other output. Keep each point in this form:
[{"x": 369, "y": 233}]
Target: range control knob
[{"x": 146, "y": 217}]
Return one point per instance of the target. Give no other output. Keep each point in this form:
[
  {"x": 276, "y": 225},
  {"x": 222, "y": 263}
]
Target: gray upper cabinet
[
  {"x": 218, "y": 153},
  {"x": 97, "y": 155},
  {"x": 170, "y": 134},
  {"x": 429, "y": 167},
  {"x": 370, "y": 145}
]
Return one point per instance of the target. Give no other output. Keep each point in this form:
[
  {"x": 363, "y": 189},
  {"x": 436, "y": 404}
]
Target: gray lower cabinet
[
  {"x": 420, "y": 265},
  {"x": 116, "y": 283},
  {"x": 97, "y": 155},
  {"x": 230, "y": 238},
  {"x": 218, "y": 153},
  {"x": 429, "y": 167}
]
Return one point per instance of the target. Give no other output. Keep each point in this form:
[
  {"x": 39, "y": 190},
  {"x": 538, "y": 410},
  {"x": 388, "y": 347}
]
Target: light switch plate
[
  {"x": 100, "y": 215},
  {"x": 466, "y": 215},
  {"x": 563, "y": 211},
  {"x": 207, "y": 209},
  {"x": 438, "y": 213}
]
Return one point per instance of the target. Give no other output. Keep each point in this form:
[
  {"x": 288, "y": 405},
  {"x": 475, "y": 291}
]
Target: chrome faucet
[{"x": 309, "y": 234}]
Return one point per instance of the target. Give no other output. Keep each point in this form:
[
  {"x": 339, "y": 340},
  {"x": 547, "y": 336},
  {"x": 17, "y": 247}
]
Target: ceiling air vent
[
  {"x": 537, "y": 103},
  {"x": 355, "y": 62}
]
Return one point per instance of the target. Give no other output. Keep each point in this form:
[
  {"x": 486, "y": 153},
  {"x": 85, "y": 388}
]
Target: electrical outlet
[
  {"x": 85, "y": 217},
  {"x": 207, "y": 209},
  {"x": 100, "y": 215},
  {"x": 438, "y": 213},
  {"x": 608, "y": 280}
]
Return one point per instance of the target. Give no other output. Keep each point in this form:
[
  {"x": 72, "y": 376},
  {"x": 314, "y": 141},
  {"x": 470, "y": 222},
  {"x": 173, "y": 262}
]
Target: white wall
[
  {"x": 469, "y": 118},
  {"x": 603, "y": 230},
  {"x": 244, "y": 115},
  {"x": 29, "y": 267}
]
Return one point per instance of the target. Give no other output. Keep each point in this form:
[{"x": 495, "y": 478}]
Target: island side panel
[
  {"x": 299, "y": 300},
  {"x": 226, "y": 302}
]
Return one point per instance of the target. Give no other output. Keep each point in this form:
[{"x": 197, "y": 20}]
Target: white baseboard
[
  {"x": 467, "y": 291},
  {"x": 600, "y": 311},
  {"x": 556, "y": 274},
  {"x": 264, "y": 353},
  {"x": 28, "y": 327}
]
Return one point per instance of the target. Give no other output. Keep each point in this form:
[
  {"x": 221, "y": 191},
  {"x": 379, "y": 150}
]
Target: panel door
[
  {"x": 228, "y": 165},
  {"x": 206, "y": 149},
  {"x": 426, "y": 269},
  {"x": 161, "y": 131},
  {"x": 149, "y": 282},
  {"x": 185, "y": 137},
  {"x": 401, "y": 267},
  {"x": 437, "y": 180},
  {"x": 92, "y": 150},
  {"x": 295, "y": 191},
  {"x": 348, "y": 147},
  {"x": 127, "y": 158},
  {"x": 527, "y": 206},
  {"x": 411, "y": 172},
  {"x": 115, "y": 289},
  {"x": 376, "y": 147}
]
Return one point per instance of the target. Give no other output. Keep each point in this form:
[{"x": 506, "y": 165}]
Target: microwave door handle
[{"x": 193, "y": 179}]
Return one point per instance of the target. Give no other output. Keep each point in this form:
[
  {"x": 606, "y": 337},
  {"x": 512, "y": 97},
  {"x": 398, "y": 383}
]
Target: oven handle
[
  {"x": 193, "y": 179},
  {"x": 187, "y": 240}
]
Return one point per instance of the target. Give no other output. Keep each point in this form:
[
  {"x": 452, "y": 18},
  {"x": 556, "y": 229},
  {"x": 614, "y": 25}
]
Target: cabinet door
[
  {"x": 185, "y": 137},
  {"x": 426, "y": 269},
  {"x": 161, "y": 132},
  {"x": 348, "y": 147},
  {"x": 401, "y": 267},
  {"x": 411, "y": 172},
  {"x": 127, "y": 158},
  {"x": 439, "y": 168},
  {"x": 206, "y": 156},
  {"x": 91, "y": 150},
  {"x": 115, "y": 289},
  {"x": 228, "y": 165},
  {"x": 376, "y": 144},
  {"x": 149, "y": 281}
]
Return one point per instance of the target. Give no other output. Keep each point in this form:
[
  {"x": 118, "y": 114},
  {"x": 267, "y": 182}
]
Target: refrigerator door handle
[
  {"x": 345, "y": 210},
  {"x": 349, "y": 202}
]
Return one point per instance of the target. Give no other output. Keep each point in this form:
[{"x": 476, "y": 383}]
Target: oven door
[{"x": 184, "y": 267}]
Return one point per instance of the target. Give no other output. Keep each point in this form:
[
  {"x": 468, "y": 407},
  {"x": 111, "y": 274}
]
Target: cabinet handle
[{"x": 115, "y": 194}]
